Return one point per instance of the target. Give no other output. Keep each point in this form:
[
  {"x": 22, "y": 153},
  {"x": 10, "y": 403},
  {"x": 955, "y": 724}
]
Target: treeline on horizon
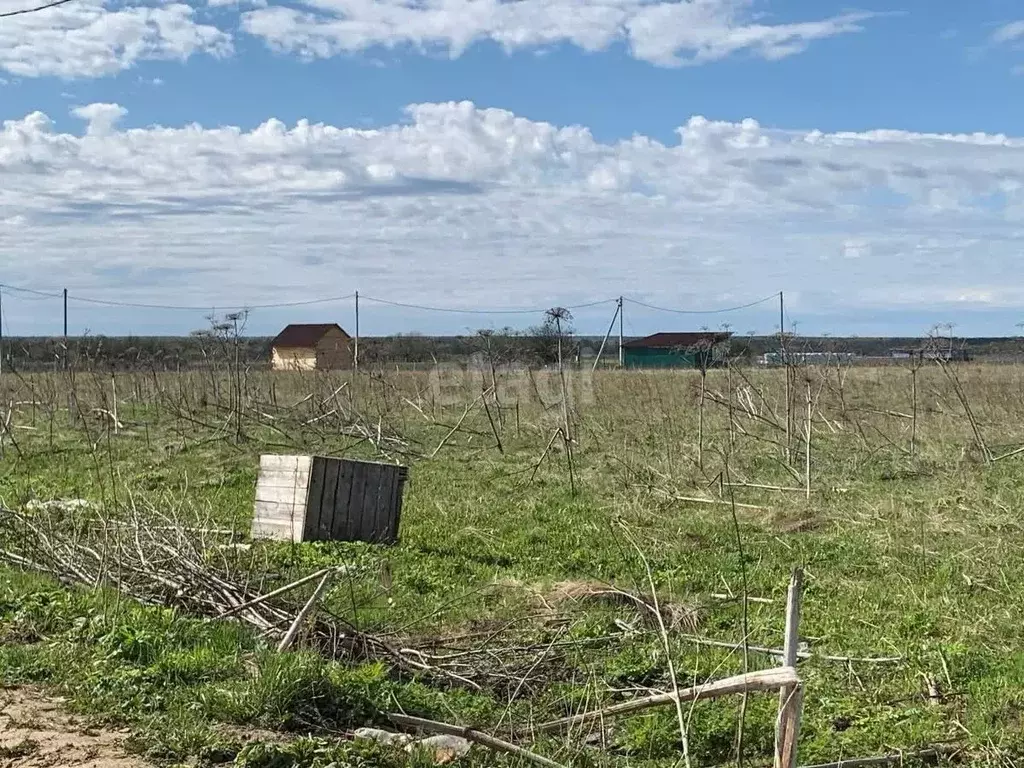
[{"x": 168, "y": 353}]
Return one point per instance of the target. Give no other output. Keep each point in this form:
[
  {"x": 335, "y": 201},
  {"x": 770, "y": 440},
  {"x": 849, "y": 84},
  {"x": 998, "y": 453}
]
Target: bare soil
[{"x": 36, "y": 732}]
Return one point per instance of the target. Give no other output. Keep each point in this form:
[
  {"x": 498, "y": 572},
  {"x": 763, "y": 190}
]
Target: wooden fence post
[{"x": 787, "y": 728}]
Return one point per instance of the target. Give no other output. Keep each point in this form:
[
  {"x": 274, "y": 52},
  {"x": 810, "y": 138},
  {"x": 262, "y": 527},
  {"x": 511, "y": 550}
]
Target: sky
[{"x": 452, "y": 159}]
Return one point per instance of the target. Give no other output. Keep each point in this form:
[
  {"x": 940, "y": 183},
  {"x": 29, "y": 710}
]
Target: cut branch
[
  {"x": 432, "y": 726},
  {"x": 765, "y": 680}
]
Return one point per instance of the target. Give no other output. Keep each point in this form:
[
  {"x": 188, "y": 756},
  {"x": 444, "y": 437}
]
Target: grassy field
[{"x": 533, "y": 571}]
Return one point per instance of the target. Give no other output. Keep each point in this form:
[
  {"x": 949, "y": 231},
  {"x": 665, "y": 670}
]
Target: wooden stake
[
  {"x": 293, "y": 630},
  {"x": 790, "y": 696},
  {"x": 789, "y": 379},
  {"x": 807, "y": 451},
  {"x": 913, "y": 423},
  {"x": 765, "y": 680},
  {"x": 700, "y": 418},
  {"x": 732, "y": 417},
  {"x": 113, "y": 398}
]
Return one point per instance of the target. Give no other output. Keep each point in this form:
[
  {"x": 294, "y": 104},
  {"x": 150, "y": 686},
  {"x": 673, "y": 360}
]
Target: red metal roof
[
  {"x": 304, "y": 334},
  {"x": 689, "y": 340}
]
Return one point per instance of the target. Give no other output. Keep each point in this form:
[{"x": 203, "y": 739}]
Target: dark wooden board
[
  {"x": 313, "y": 528},
  {"x": 352, "y": 500},
  {"x": 342, "y": 502}
]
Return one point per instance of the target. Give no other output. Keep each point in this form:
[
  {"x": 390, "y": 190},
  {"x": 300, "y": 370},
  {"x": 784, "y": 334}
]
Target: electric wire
[
  {"x": 482, "y": 311},
  {"x": 39, "y": 295},
  {"x": 701, "y": 311},
  {"x": 34, "y": 9},
  {"x": 192, "y": 308}
]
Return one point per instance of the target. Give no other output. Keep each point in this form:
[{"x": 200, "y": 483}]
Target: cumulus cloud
[
  {"x": 94, "y": 38},
  {"x": 664, "y": 33},
  {"x": 101, "y": 118},
  {"x": 471, "y": 207},
  {"x": 1010, "y": 32}
]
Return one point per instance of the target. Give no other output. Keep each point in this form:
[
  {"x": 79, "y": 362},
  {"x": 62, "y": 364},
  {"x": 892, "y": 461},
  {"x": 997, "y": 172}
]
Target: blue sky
[{"x": 471, "y": 154}]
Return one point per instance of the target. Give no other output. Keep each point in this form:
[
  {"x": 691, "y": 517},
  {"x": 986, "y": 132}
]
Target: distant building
[
  {"x": 806, "y": 358},
  {"x": 302, "y": 347},
  {"x": 945, "y": 354},
  {"x": 677, "y": 350}
]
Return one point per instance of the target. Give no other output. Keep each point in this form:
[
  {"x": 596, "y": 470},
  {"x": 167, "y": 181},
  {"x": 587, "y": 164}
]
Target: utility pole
[
  {"x": 65, "y": 327},
  {"x": 782, "y": 319},
  {"x": 611, "y": 327},
  {"x": 355, "y": 356},
  {"x": 622, "y": 354}
]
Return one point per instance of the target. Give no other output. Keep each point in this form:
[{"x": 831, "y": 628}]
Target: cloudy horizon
[{"x": 135, "y": 172}]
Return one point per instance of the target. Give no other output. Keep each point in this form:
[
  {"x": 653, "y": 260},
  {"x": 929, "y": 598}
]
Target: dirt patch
[
  {"x": 36, "y": 732},
  {"x": 566, "y": 593}
]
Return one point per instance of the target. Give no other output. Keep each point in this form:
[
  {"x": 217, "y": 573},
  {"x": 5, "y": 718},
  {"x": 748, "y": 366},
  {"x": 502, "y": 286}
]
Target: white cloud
[
  {"x": 664, "y": 33},
  {"x": 1009, "y": 32},
  {"x": 237, "y": 3},
  {"x": 94, "y": 38},
  {"x": 478, "y": 207},
  {"x": 101, "y": 118},
  {"x": 856, "y": 248}
]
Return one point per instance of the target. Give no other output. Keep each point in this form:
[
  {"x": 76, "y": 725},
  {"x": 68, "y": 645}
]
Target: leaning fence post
[
  {"x": 293, "y": 630},
  {"x": 787, "y": 728}
]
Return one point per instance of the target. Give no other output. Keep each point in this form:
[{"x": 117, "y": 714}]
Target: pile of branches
[
  {"x": 160, "y": 559},
  {"x": 175, "y": 558}
]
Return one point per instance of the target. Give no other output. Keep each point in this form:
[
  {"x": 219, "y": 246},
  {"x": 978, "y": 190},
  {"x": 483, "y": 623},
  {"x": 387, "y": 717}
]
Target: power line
[
  {"x": 404, "y": 305},
  {"x": 482, "y": 311},
  {"x": 192, "y": 308},
  {"x": 278, "y": 305},
  {"x": 36, "y": 9},
  {"x": 26, "y": 298},
  {"x": 702, "y": 311},
  {"x": 41, "y": 294}
]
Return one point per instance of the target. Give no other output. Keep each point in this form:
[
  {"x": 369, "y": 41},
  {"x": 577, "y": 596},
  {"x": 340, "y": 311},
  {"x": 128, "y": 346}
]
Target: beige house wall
[{"x": 293, "y": 359}]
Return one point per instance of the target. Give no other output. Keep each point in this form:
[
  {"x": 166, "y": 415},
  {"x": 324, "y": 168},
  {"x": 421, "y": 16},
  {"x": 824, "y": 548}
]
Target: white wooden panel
[
  {"x": 273, "y": 522},
  {"x": 286, "y": 520},
  {"x": 280, "y": 504},
  {"x": 280, "y": 474},
  {"x": 277, "y": 523},
  {"x": 289, "y": 494},
  {"x": 279, "y": 510},
  {"x": 276, "y": 531},
  {"x": 288, "y": 462},
  {"x": 273, "y": 528},
  {"x": 297, "y": 481}
]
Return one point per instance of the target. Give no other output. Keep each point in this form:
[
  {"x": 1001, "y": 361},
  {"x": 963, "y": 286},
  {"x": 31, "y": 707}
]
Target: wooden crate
[{"x": 320, "y": 498}]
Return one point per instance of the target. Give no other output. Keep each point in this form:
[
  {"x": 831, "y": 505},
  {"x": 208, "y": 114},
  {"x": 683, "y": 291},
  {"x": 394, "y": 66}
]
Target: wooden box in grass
[{"x": 320, "y": 498}]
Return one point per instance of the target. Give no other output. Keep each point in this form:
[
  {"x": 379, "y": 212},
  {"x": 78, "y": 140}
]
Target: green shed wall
[{"x": 659, "y": 358}]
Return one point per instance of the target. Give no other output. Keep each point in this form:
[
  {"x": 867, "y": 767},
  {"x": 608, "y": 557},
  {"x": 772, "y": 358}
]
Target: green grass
[{"x": 917, "y": 557}]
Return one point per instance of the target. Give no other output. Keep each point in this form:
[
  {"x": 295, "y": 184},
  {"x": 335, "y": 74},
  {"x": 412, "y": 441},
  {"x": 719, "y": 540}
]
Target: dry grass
[{"x": 911, "y": 538}]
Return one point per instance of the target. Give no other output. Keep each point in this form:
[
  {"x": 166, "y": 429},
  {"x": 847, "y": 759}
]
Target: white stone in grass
[
  {"x": 382, "y": 737},
  {"x": 443, "y": 749},
  {"x": 63, "y": 505}
]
